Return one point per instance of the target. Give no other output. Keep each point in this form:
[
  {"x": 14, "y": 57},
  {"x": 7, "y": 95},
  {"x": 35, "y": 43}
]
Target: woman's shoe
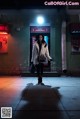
[{"x": 42, "y": 83}]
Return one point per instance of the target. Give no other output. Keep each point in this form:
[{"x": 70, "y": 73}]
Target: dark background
[{"x": 26, "y": 4}]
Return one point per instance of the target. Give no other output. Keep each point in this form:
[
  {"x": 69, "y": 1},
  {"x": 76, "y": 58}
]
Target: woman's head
[{"x": 40, "y": 38}]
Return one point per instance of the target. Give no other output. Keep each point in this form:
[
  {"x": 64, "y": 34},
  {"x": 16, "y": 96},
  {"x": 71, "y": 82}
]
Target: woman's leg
[
  {"x": 39, "y": 72},
  {"x": 42, "y": 66}
]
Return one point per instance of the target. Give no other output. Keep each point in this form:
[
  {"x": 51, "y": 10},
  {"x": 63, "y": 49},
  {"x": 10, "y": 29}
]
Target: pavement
[{"x": 59, "y": 98}]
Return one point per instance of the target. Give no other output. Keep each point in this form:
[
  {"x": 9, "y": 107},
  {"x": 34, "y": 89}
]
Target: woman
[{"x": 40, "y": 55}]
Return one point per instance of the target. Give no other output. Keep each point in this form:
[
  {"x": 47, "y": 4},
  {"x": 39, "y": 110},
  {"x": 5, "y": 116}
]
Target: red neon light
[
  {"x": 3, "y": 43},
  {"x": 3, "y": 28}
]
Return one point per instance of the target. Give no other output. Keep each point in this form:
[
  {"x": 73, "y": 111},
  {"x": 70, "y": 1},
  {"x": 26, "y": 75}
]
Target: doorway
[{"x": 36, "y": 30}]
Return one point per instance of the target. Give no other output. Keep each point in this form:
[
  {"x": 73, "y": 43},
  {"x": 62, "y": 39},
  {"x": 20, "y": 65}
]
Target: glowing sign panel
[
  {"x": 4, "y": 28},
  {"x": 3, "y": 43}
]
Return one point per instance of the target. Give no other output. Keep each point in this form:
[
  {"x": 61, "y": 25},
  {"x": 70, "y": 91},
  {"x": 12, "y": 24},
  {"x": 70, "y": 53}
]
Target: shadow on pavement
[{"x": 40, "y": 102}]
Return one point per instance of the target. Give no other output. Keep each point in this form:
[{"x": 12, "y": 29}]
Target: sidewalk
[{"x": 59, "y": 98}]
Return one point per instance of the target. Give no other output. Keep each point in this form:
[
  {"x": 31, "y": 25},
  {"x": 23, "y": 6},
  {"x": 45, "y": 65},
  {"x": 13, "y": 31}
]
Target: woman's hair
[{"x": 43, "y": 41}]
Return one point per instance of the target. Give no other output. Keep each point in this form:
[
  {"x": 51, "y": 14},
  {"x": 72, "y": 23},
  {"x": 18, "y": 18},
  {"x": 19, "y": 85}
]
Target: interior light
[{"x": 40, "y": 20}]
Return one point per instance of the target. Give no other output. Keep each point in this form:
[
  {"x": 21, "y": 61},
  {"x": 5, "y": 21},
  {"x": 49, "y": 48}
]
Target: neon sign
[{"x": 4, "y": 28}]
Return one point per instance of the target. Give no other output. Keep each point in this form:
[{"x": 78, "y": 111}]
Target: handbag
[
  {"x": 32, "y": 68},
  {"x": 41, "y": 58}
]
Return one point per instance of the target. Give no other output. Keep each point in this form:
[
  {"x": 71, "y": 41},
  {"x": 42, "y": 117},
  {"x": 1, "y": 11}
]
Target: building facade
[{"x": 17, "y": 58}]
